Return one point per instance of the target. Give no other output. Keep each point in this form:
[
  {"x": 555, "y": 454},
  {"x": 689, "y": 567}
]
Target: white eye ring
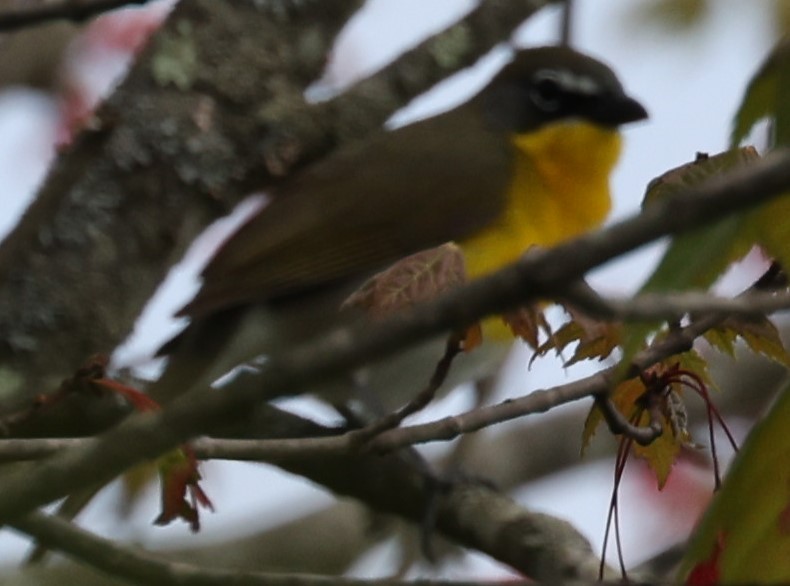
[{"x": 547, "y": 89}]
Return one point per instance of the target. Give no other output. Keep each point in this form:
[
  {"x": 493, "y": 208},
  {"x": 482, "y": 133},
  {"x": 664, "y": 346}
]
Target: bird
[{"x": 526, "y": 161}]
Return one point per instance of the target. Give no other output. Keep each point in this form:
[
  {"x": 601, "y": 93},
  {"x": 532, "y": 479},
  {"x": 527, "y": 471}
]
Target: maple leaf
[
  {"x": 766, "y": 98},
  {"x": 526, "y": 322},
  {"x": 662, "y": 452},
  {"x": 692, "y": 361},
  {"x": 595, "y": 338},
  {"x": 663, "y": 383},
  {"x": 415, "y": 279},
  {"x": 694, "y": 260},
  {"x": 178, "y": 472},
  {"x": 653, "y": 398},
  {"x": 760, "y": 334}
]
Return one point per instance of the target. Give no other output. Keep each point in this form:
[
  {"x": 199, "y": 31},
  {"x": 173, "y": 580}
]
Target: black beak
[{"x": 621, "y": 110}]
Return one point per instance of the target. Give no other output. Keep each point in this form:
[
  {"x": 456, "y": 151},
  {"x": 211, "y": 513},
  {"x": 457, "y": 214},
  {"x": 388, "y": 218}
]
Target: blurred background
[{"x": 687, "y": 61}]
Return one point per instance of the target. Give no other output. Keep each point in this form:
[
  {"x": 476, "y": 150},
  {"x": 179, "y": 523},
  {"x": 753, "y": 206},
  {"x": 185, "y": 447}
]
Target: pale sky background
[{"x": 690, "y": 84}]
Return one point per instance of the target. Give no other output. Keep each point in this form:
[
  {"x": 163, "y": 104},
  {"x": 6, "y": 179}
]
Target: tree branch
[
  {"x": 210, "y": 111},
  {"x": 370, "y": 102},
  {"x": 674, "y": 306},
  {"x": 619, "y": 425},
  {"x": 277, "y": 451},
  {"x": 143, "y": 567},
  {"x": 175, "y": 145}
]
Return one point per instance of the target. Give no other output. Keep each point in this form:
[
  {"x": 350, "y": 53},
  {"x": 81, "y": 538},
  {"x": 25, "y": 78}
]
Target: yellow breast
[{"x": 560, "y": 189}]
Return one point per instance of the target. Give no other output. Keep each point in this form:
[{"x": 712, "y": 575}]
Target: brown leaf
[
  {"x": 596, "y": 338},
  {"x": 414, "y": 279},
  {"x": 527, "y": 322},
  {"x": 472, "y": 337}
]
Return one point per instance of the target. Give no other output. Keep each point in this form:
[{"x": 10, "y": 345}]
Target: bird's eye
[{"x": 547, "y": 91}]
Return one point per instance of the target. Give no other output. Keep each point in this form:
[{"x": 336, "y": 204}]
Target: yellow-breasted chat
[{"x": 524, "y": 162}]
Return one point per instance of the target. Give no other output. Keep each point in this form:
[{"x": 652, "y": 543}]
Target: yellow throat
[{"x": 560, "y": 189}]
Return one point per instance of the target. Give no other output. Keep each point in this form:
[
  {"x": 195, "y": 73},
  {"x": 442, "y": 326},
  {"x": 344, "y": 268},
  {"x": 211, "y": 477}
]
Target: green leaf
[
  {"x": 770, "y": 227},
  {"x": 748, "y": 521},
  {"x": 767, "y": 96},
  {"x": 696, "y": 259},
  {"x": 759, "y": 334},
  {"x": 694, "y": 362},
  {"x": 591, "y": 423},
  {"x": 722, "y": 339},
  {"x": 662, "y": 453}
]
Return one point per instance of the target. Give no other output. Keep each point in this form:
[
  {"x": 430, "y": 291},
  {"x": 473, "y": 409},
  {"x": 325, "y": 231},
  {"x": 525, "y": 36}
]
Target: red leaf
[
  {"x": 180, "y": 477},
  {"x": 706, "y": 573}
]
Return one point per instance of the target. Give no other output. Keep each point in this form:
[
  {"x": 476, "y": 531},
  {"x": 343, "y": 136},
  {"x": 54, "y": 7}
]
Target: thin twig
[
  {"x": 566, "y": 24},
  {"x": 539, "y": 401},
  {"x": 418, "y": 403},
  {"x": 673, "y": 306},
  {"x": 618, "y": 424}
]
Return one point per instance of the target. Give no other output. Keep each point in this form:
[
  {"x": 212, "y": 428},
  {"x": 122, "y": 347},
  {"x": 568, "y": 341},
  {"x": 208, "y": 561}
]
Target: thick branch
[
  {"x": 145, "y": 568},
  {"x": 369, "y": 102},
  {"x": 211, "y": 110},
  {"x": 173, "y": 147}
]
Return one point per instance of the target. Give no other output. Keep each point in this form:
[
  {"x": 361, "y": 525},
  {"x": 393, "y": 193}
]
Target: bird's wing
[{"x": 369, "y": 204}]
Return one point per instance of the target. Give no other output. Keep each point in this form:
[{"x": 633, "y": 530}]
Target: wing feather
[{"x": 369, "y": 204}]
